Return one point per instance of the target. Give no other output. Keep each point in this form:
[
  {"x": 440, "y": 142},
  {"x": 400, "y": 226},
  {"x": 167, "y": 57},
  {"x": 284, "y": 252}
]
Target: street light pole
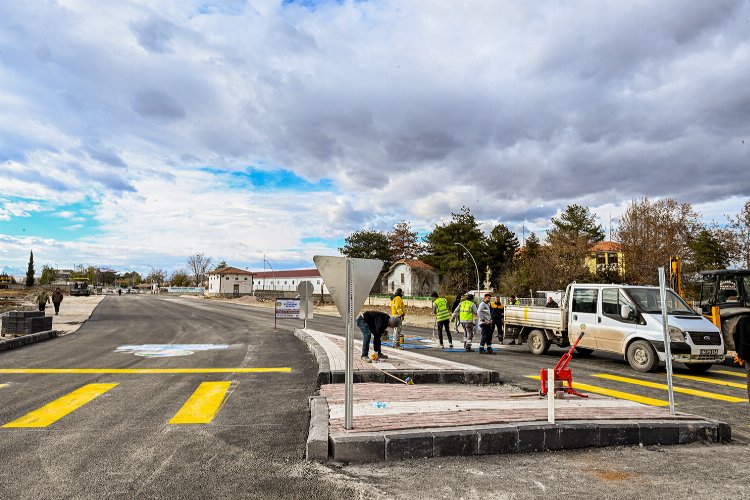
[
  {"x": 472, "y": 258},
  {"x": 273, "y": 273}
]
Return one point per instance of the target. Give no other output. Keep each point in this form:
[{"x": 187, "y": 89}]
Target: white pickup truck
[{"x": 623, "y": 319}]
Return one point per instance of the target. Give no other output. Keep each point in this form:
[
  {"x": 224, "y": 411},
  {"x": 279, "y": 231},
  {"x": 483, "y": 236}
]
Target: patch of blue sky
[
  {"x": 269, "y": 180},
  {"x": 327, "y": 242},
  {"x": 310, "y": 4},
  {"x": 65, "y": 222},
  {"x": 226, "y": 7}
]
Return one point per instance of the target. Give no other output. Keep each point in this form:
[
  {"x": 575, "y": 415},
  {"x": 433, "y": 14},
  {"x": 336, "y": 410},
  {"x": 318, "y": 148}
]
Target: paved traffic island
[
  {"x": 394, "y": 422},
  {"x": 328, "y": 350}
]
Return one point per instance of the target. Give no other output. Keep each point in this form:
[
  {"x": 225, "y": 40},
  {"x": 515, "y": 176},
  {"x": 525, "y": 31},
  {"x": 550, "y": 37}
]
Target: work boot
[
  {"x": 468, "y": 348},
  {"x": 450, "y": 346},
  {"x": 481, "y": 350},
  {"x": 366, "y": 359},
  {"x": 490, "y": 351},
  {"x": 382, "y": 356},
  {"x": 442, "y": 346}
]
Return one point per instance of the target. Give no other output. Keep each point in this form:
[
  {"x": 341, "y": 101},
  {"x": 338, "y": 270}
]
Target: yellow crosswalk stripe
[
  {"x": 138, "y": 371},
  {"x": 57, "y": 409},
  {"x": 681, "y": 390},
  {"x": 203, "y": 404},
  {"x": 615, "y": 394},
  {"x": 731, "y": 374},
  {"x": 709, "y": 380}
]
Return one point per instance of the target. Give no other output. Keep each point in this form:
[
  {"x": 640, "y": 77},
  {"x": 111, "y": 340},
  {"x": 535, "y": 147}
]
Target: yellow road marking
[
  {"x": 733, "y": 374},
  {"x": 2, "y": 385},
  {"x": 57, "y": 409},
  {"x": 709, "y": 380},
  {"x": 203, "y": 404},
  {"x": 138, "y": 371},
  {"x": 615, "y": 394},
  {"x": 681, "y": 390}
]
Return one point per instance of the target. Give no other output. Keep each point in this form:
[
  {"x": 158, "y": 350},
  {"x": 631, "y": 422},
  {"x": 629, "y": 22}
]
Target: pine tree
[{"x": 30, "y": 271}]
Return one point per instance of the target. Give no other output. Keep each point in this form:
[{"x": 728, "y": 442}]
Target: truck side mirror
[{"x": 626, "y": 312}]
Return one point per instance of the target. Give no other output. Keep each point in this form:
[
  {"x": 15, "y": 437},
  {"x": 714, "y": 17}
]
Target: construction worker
[
  {"x": 42, "y": 300},
  {"x": 513, "y": 301},
  {"x": 442, "y": 318},
  {"x": 397, "y": 309},
  {"x": 485, "y": 324},
  {"x": 373, "y": 324},
  {"x": 498, "y": 312},
  {"x": 456, "y": 301},
  {"x": 57, "y": 298},
  {"x": 465, "y": 312}
]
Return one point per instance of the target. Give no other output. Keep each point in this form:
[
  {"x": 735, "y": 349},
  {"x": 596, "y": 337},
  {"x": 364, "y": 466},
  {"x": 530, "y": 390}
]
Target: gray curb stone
[
  {"x": 23, "y": 340},
  {"x": 521, "y": 437},
  {"x": 326, "y": 376},
  {"x": 317, "y": 438}
]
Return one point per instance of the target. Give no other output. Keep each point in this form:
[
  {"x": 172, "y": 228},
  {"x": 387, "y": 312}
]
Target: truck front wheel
[
  {"x": 538, "y": 343},
  {"x": 642, "y": 356}
]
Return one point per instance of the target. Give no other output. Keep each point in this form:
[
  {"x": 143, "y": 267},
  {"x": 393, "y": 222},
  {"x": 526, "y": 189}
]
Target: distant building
[
  {"x": 230, "y": 281},
  {"x": 289, "y": 280},
  {"x": 606, "y": 256},
  {"x": 414, "y": 277}
]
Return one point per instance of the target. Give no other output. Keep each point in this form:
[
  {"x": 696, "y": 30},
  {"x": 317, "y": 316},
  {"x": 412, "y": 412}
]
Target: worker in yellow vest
[
  {"x": 442, "y": 318},
  {"x": 465, "y": 312},
  {"x": 397, "y": 309}
]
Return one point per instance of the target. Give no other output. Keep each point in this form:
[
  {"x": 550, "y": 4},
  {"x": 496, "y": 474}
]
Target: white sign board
[{"x": 288, "y": 308}]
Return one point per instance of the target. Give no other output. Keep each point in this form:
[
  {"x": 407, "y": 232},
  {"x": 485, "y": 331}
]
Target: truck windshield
[{"x": 648, "y": 301}]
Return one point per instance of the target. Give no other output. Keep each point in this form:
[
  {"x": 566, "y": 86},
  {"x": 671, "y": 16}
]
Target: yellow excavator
[{"x": 724, "y": 297}]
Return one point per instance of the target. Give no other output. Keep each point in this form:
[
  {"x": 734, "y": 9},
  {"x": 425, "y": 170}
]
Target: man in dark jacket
[
  {"x": 373, "y": 324},
  {"x": 57, "y": 298},
  {"x": 498, "y": 311}
]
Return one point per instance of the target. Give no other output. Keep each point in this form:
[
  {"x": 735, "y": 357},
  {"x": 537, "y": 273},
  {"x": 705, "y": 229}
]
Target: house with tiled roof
[
  {"x": 230, "y": 281},
  {"x": 414, "y": 277},
  {"x": 606, "y": 256}
]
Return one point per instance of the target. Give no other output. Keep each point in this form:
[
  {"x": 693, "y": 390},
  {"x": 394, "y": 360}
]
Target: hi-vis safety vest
[
  {"x": 465, "y": 311},
  {"x": 441, "y": 309}
]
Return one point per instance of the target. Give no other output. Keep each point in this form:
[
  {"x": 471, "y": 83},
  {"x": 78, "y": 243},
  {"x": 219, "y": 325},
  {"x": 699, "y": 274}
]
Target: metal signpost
[
  {"x": 667, "y": 347},
  {"x": 306, "y": 290},
  {"x": 349, "y": 282}
]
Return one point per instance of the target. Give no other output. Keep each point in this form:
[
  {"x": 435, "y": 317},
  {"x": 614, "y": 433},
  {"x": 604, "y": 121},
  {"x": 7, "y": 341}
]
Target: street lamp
[
  {"x": 273, "y": 273},
  {"x": 472, "y": 258}
]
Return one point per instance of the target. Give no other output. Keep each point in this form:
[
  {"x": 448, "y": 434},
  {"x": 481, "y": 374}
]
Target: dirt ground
[{"x": 17, "y": 300}]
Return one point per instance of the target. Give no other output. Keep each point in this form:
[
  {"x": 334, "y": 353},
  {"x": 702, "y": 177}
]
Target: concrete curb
[
  {"x": 521, "y": 438},
  {"x": 428, "y": 376},
  {"x": 317, "y": 438},
  {"x": 32, "y": 338}
]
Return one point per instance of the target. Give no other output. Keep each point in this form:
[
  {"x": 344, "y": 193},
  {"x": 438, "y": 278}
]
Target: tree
[
  {"x": 502, "y": 245},
  {"x": 403, "y": 242},
  {"x": 708, "y": 252},
  {"x": 30, "y": 270},
  {"x": 367, "y": 244},
  {"x": 158, "y": 276},
  {"x": 221, "y": 265},
  {"x": 740, "y": 242},
  {"x": 576, "y": 223},
  {"x": 180, "y": 277},
  {"x": 130, "y": 278},
  {"x": 652, "y": 232},
  {"x": 198, "y": 266},
  {"x": 530, "y": 271},
  {"x": 451, "y": 261},
  {"x": 48, "y": 275}
]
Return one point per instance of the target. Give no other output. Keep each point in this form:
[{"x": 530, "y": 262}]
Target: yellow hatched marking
[
  {"x": 203, "y": 405},
  {"x": 57, "y": 409},
  {"x": 681, "y": 390},
  {"x": 709, "y": 380},
  {"x": 138, "y": 371},
  {"x": 615, "y": 394},
  {"x": 731, "y": 374},
  {"x": 2, "y": 385}
]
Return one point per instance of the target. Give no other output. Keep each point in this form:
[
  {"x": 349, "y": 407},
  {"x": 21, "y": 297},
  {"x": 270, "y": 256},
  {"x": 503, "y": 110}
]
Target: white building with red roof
[
  {"x": 414, "y": 277},
  {"x": 289, "y": 280},
  {"x": 230, "y": 281}
]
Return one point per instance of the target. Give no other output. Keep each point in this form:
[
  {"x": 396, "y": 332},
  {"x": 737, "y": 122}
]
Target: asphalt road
[{"x": 121, "y": 444}]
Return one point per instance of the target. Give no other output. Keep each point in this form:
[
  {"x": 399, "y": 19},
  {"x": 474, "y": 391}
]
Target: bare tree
[
  {"x": 739, "y": 242},
  {"x": 158, "y": 276},
  {"x": 198, "y": 265},
  {"x": 651, "y": 232}
]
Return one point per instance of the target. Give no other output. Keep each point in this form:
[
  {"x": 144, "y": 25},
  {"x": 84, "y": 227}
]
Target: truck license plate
[{"x": 709, "y": 352}]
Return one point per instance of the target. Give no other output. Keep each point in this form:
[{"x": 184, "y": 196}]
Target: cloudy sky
[{"x": 134, "y": 133}]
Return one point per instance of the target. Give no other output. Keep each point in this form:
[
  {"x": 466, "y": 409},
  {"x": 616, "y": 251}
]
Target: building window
[
  {"x": 245, "y": 279},
  {"x": 318, "y": 282},
  {"x": 402, "y": 278},
  {"x": 227, "y": 277},
  {"x": 285, "y": 282}
]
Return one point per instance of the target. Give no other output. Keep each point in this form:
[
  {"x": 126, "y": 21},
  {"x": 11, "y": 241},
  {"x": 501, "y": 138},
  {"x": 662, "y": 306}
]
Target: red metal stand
[{"x": 562, "y": 373}]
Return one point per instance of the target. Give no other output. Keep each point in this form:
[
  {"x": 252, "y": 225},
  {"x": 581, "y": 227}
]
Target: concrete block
[
  {"x": 723, "y": 432},
  {"x": 538, "y": 437},
  {"x": 618, "y": 434},
  {"x": 497, "y": 440},
  {"x": 578, "y": 435},
  {"x": 653, "y": 433},
  {"x": 454, "y": 443},
  {"x": 365, "y": 447},
  {"x": 317, "y": 437},
  {"x": 414, "y": 445},
  {"x": 690, "y": 432}
]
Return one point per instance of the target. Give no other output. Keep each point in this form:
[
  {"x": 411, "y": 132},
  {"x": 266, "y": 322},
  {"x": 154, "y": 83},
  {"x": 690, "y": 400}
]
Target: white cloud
[{"x": 413, "y": 109}]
